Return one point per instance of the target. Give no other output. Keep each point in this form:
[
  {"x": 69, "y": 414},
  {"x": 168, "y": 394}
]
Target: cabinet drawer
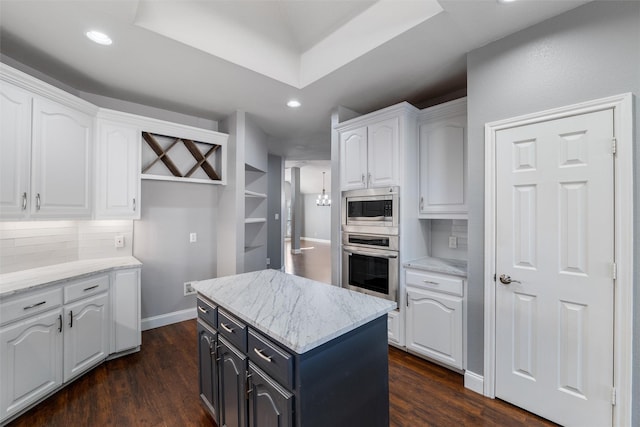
[
  {"x": 271, "y": 358},
  {"x": 207, "y": 312},
  {"x": 86, "y": 287},
  {"x": 435, "y": 282},
  {"x": 232, "y": 329},
  {"x": 28, "y": 305}
]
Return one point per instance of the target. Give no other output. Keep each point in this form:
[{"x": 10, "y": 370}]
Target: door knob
[{"x": 505, "y": 279}]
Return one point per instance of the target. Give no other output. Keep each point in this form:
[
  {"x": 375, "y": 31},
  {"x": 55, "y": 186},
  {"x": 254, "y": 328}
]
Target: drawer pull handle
[
  {"x": 202, "y": 310},
  {"x": 259, "y": 353},
  {"x": 71, "y": 318},
  {"x": 60, "y": 320},
  {"x": 29, "y": 307},
  {"x": 431, "y": 282},
  {"x": 90, "y": 287},
  {"x": 226, "y": 328}
]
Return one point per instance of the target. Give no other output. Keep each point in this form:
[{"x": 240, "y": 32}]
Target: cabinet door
[
  {"x": 434, "y": 326},
  {"x": 207, "y": 341},
  {"x": 125, "y": 297},
  {"x": 118, "y": 166},
  {"x": 270, "y": 405},
  {"x": 353, "y": 159},
  {"x": 61, "y": 161},
  {"x": 31, "y": 355},
  {"x": 393, "y": 327},
  {"x": 232, "y": 378},
  {"x": 86, "y": 334},
  {"x": 383, "y": 153},
  {"x": 15, "y": 151},
  {"x": 443, "y": 171}
]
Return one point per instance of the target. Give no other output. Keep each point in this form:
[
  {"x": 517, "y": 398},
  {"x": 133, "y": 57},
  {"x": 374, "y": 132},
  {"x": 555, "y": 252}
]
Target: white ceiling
[{"x": 210, "y": 58}]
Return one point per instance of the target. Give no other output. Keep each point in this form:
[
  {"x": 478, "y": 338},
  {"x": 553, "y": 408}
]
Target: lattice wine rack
[{"x": 171, "y": 158}]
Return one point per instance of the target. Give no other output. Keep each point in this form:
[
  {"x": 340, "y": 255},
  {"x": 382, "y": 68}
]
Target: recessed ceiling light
[
  {"x": 100, "y": 38},
  {"x": 293, "y": 103}
]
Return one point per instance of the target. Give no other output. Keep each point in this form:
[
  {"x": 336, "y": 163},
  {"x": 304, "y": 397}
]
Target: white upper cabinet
[
  {"x": 353, "y": 166},
  {"x": 443, "y": 161},
  {"x": 61, "y": 161},
  {"x": 46, "y": 143},
  {"x": 117, "y": 171},
  {"x": 15, "y": 150},
  {"x": 369, "y": 154}
]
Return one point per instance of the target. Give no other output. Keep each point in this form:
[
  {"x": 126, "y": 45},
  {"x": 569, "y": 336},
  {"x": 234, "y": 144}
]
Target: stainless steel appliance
[
  {"x": 372, "y": 210},
  {"x": 370, "y": 264}
]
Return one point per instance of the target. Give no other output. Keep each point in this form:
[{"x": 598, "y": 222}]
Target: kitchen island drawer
[
  {"x": 27, "y": 305},
  {"x": 232, "y": 329},
  {"x": 434, "y": 282},
  {"x": 271, "y": 358},
  {"x": 86, "y": 287},
  {"x": 207, "y": 311}
]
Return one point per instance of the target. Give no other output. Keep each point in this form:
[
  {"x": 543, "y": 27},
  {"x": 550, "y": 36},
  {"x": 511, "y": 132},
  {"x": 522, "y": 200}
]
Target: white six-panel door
[{"x": 554, "y": 240}]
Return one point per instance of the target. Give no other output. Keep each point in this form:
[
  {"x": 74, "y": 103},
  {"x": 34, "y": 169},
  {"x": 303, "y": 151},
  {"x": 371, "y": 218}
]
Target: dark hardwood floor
[
  {"x": 313, "y": 263},
  {"x": 159, "y": 387}
]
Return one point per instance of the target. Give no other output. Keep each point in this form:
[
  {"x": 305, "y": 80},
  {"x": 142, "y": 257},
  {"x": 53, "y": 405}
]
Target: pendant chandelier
[{"x": 323, "y": 199}]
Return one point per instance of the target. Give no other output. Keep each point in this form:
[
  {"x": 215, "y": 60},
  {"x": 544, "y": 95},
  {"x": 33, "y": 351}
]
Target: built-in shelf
[
  {"x": 248, "y": 167},
  {"x": 254, "y": 220},
  {"x": 250, "y": 248},
  {"x": 248, "y": 193}
]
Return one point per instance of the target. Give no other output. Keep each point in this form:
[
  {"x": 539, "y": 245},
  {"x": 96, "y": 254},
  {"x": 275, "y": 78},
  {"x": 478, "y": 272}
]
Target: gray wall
[
  {"x": 587, "y": 53},
  {"x": 275, "y": 237},
  {"x": 316, "y": 223},
  {"x": 170, "y": 211}
]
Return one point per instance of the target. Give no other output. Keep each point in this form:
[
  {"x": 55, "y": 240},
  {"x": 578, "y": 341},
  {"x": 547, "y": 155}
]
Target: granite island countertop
[
  {"x": 439, "y": 265},
  {"x": 300, "y": 313},
  {"x": 20, "y": 281}
]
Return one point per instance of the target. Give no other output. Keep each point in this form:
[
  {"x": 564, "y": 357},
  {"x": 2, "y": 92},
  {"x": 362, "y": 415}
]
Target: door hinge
[
  {"x": 613, "y": 396},
  {"x": 614, "y": 145},
  {"x": 614, "y": 271}
]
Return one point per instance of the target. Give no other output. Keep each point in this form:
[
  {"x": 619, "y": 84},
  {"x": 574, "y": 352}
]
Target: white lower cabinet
[
  {"x": 393, "y": 327},
  {"x": 51, "y": 335},
  {"x": 30, "y": 361},
  {"x": 125, "y": 300},
  {"x": 86, "y": 334},
  {"x": 434, "y": 320}
]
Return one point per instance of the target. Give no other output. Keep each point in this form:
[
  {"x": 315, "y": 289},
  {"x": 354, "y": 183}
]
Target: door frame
[{"x": 622, "y": 106}]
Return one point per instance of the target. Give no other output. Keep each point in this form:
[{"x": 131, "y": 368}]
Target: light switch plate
[
  {"x": 193, "y": 237},
  {"x": 119, "y": 241},
  {"x": 453, "y": 242}
]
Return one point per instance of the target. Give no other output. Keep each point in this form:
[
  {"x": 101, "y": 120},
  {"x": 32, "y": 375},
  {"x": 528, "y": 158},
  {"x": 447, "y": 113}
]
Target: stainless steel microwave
[{"x": 372, "y": 210}]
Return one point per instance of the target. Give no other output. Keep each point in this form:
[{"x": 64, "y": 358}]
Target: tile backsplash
[
  {"x": 25, "y": 245},
  {"x": 441, "y": 230}
]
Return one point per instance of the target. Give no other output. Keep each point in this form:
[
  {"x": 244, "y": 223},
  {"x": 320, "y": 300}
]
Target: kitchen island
[{"x": 282, "y": 350}]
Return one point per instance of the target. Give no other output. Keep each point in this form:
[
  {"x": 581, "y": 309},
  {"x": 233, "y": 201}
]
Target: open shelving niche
[{"x": 255, "y": 233}]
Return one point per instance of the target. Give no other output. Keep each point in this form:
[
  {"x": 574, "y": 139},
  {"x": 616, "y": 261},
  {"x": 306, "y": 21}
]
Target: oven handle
[{"x": 373, "y": 254}]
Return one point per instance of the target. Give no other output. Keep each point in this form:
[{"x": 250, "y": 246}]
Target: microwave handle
[{"x": 351, "y": 251}]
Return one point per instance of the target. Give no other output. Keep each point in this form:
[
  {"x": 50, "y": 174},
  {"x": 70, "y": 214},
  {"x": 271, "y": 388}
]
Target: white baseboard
[
  {"x": 168, "y": 318},
  {"x": 474, "y": 382},
  {"x": 311, "y": 239}
]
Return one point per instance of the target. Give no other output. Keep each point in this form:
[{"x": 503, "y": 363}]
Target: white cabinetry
[
  {"x": 86, "y": 334},
  {"x": 369, "y": 155},
  {"x": 15, "y": 150},
  {"x": 125, "y": 299},
  {"x": 443, "y": 161},
  {"x": 46, "y": 142},
  {"x": 31, "y": 361},
  {"x": 51, "y": 335},
  {"x": 117, "y": 171},
  {"x": 393, "y": 327},
  {"x": 434, "y": 317}
]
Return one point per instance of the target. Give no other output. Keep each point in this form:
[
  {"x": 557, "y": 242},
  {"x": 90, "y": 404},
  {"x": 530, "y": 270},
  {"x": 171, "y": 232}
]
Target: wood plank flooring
[
  {"x": 159, "y": 387},
  {"x": 313, "y": 263}
]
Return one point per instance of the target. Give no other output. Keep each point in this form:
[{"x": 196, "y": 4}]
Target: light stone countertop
[
  {"x": 301, "y": 314},
  {"x": 454, "y": 267},
  {"x": 25, "y": 280}
]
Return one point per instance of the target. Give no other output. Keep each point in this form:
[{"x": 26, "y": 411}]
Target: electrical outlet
[
  {"x": 277, "y": 216},
  {"x": 119, "y": 241},
  {"x": 193, "y": 237},
  {"x": 268, "y": 261},
  {"x": 453, "y": 242},
  {"x": 188, "y": 289}
]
